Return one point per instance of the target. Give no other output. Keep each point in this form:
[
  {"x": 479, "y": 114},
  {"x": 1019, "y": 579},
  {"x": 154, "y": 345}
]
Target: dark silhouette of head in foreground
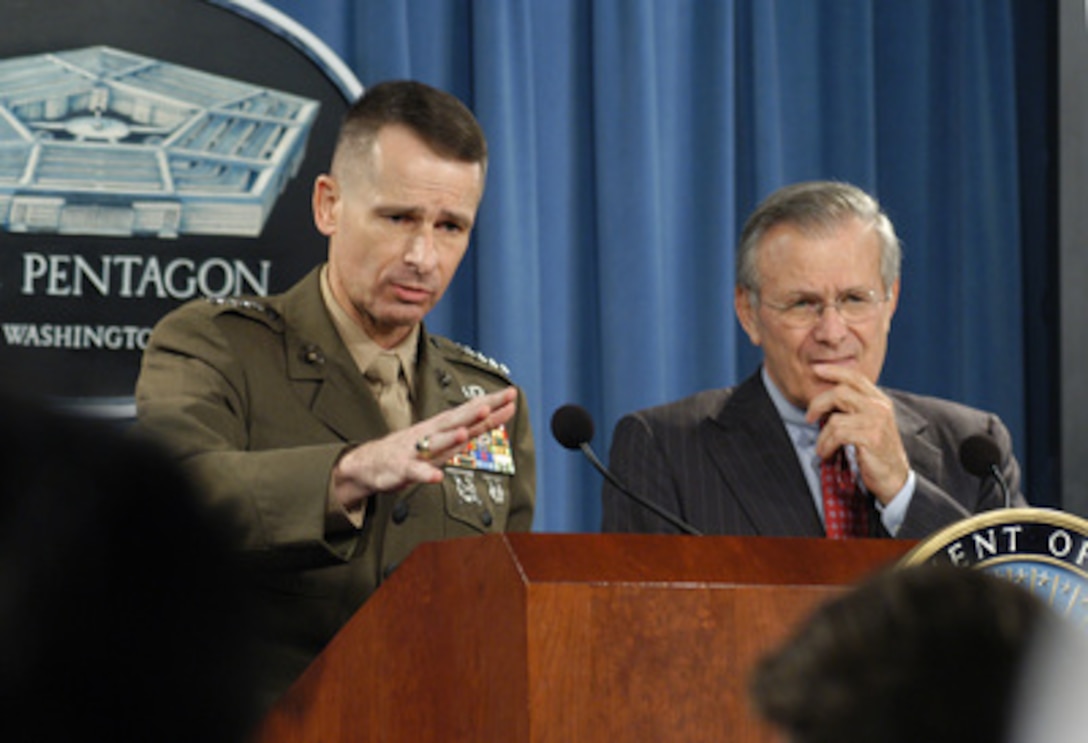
[
  {"x": 926, "y": 653},
  {"x": 120, "y": 614}
]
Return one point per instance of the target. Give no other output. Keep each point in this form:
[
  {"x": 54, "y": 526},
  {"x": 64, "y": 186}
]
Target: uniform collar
[{"x": 361, "y": 346}]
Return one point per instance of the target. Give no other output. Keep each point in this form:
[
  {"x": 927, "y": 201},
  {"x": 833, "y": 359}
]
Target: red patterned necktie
[{"x": 846, "y": 513}]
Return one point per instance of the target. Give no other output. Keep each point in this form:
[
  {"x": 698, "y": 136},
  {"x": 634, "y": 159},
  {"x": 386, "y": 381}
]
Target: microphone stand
[
  {"x": 1001, "y": 484},
  {"x": 682, "y": 526}
]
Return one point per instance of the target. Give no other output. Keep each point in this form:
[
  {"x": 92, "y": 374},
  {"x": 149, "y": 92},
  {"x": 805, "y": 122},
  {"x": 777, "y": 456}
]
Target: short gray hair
[{"x": 814, "y": 207}]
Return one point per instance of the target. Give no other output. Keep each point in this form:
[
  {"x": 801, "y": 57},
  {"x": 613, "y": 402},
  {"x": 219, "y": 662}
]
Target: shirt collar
[
  {"x": 800, "y": 430},
  {"x": 361, "y": 346}
]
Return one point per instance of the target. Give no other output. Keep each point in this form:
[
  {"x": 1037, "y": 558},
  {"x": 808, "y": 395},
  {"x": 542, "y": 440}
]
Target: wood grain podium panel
[{"x": 567, "y": 637}]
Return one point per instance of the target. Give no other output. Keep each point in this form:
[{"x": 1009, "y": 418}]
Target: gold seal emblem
[{"x": 1041, "y": 549}]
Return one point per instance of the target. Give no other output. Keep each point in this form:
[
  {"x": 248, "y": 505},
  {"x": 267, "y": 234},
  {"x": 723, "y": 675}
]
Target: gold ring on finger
[{"x": 423, "y": 447}]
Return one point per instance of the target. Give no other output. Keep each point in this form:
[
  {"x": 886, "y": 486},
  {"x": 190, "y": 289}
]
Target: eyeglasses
[{"x": 854, "y": 306}]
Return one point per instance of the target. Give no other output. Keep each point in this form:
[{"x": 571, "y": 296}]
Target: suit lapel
[
  {"x": 748, "y": 443},
  {"x": 925, "y": 457},
  {"x": 438, "y": 385},
  {"x": 321, "y": 368}
]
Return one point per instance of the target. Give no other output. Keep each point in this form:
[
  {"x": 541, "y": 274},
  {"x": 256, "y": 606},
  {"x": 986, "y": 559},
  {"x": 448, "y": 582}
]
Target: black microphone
[
  {"x": 572, "y": 426},
  {"x": 980, "y": 456}
]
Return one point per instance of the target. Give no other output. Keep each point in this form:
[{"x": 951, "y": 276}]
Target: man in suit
[
  {"x": 337, "y": 428},
  {"x": 817, "y": 286}
]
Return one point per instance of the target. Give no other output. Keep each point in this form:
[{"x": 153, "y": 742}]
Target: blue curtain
[{"x": 630, "y": 138}]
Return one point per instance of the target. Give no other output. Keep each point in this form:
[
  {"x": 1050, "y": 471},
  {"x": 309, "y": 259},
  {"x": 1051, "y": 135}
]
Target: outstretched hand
[{"x": 416, "y": 454}]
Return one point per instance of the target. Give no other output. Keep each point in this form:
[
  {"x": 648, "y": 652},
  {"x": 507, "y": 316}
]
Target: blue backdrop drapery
[{"x": 629, "y": 139}]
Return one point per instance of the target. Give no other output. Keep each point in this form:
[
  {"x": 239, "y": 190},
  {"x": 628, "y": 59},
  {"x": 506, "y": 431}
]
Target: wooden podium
[{"x": 567, "y": 638}]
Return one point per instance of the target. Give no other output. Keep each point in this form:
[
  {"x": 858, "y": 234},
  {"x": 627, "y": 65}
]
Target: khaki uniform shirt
[{"x": 259, "y": 397}]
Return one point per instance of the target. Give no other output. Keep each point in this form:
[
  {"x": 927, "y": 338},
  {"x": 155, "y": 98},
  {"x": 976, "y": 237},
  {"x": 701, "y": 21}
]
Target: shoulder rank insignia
[
  {"x": 241, "y": 303},
  {"x": 483, "y": 359},
  {"x": 488, "y": 452}
]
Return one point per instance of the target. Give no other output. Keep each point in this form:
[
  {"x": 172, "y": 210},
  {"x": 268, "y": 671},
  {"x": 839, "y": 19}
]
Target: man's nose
[
  {"x": 830, "y": 325},
  {"x": 421, "y": 251}
]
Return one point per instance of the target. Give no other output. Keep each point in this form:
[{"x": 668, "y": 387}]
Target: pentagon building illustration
[{"x": 99, "y": 141}]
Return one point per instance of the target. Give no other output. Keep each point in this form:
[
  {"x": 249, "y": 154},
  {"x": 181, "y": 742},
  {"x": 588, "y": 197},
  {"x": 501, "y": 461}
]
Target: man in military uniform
[{"x": 340, "y": 432}]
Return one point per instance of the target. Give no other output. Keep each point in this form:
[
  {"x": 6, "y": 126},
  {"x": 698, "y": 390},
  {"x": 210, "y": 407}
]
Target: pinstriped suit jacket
[{"x": 722, "y": 461}]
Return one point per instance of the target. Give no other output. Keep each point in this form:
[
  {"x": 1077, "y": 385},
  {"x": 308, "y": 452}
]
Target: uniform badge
[
  {"x": 465, "y": 484},
  {"x": 496, "y": 489},
  {"x": 488, "y": 452},
  {"x": 472, "y": 390}
]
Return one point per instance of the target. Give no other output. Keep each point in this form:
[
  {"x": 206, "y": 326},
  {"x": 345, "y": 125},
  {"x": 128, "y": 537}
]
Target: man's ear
[
  {"x": 746, "y": 314},
  {"x": 326, "y": 204},
  {"x": 893, "y": 301}
]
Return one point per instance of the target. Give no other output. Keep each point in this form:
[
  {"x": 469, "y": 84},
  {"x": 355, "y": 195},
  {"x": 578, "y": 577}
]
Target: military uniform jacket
[
  {"x": 259, "y": 397},
  {"x": 723, "y": 461}
]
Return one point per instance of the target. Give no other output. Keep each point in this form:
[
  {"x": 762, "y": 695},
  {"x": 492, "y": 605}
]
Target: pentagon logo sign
[
  {"x": 99, "y": 141},
  {"x": 150, "y": 154}
]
